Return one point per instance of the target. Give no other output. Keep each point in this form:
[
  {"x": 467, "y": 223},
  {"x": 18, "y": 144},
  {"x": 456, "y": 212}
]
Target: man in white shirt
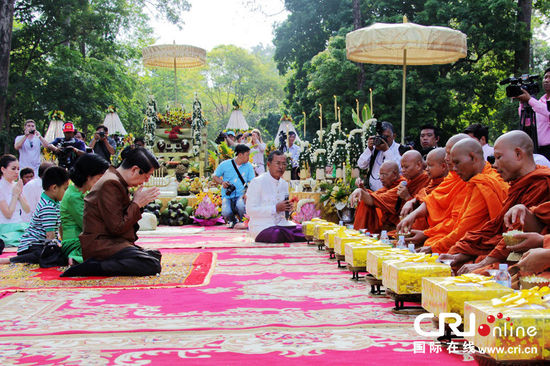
[
  {"x": 381, "y": 150},
  {"x": 294, "y": 151},
  {"x": 481, "y": 134},
  {"x": 267, "y": 202},
  {"x": 29, "y": 145}
]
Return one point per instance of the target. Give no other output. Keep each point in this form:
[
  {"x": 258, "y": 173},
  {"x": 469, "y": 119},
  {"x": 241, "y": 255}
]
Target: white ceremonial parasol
[
  {"x": 237, "y": 121},
  {"x": 405, "y": 44},
  {"x": 113, "y": 123},
  {"x": 55, "y": 130},
  {"x": 174, "y": 56}
]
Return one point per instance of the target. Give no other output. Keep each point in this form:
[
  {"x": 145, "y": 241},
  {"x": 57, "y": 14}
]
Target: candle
[
  {"x": 339, "y": 121},
  {"x": 335, "y": 107},
  {"x": 321, "y": 122},
  {"x": 371, "y": 110},
  {"x": 344, "y": 171},
  {"x": 287, "y": 135},
  {"x": 304, "y": 113}
]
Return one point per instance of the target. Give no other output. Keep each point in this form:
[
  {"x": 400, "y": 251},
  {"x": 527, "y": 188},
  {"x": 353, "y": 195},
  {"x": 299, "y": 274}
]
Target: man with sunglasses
[{"x": 28, "y": 146}]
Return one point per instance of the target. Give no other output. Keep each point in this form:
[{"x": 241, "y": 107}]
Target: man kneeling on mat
[
  {"x": 266, "y": 204},
  {"x": 110, "y": 221}
]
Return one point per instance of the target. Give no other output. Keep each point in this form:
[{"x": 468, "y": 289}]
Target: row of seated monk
[{"x": 457, "y": 205}]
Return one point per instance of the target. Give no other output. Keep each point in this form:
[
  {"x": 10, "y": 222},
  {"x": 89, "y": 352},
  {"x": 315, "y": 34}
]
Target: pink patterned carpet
[{"x": 266, "y": 305}]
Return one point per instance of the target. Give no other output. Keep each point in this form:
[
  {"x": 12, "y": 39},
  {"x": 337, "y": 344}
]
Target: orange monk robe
[
  {"x": 369, "y": 217},
  {"x": 529, "y": 190},
  {"x": 542, "y": 212},
  {"x": 388, "y": 201},
  {"x": 422, "y": 223},
  {"x": 483, "y": 197}
]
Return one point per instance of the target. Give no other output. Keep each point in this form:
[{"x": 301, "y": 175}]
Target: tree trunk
[
  {"x": 522, "y": 56},
  {"x": 6, "y": 25},
  {"x": 357, "y": 25}
]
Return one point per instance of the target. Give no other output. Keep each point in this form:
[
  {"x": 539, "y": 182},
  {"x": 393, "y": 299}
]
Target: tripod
[{"x": 528, "y": 123}]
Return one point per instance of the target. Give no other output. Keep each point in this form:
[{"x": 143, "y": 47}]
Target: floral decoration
[
  {"x": 110, "y": 109},
  {"x": 56, "y": 115},
  {"x": 305, "y": 211}
]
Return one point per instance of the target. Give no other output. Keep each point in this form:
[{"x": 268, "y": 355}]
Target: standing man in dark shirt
[
  {"x": 67, "y": 148},
  {"x": 102, "y": 144}
]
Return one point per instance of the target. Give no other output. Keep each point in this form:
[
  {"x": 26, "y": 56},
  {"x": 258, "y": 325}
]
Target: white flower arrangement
[
  {"x": 334, "y": 127},
  {"x": 195, "y": 150},
  {"x": 355, "y": 132},
  {"x": 320, "y": 133}
]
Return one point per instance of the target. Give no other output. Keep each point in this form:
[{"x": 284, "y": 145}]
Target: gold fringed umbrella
[
  {"x": 405, "y": 44},
  {"x": 175, "y": 56}
]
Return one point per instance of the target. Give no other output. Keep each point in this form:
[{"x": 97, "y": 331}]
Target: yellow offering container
[
  {"x": 320, "y": 229},
  {"x": 356, "y": 253},
  {"x": 309, "y": 226},
  {"x": 330, "y": 236},
  {"x": 340, "y": 242},
  {"x": 448, "y": 294},
  {"x": 376, "y": 257},
  {"x": 520, "y": 333},
  {"x": 406, "y": 277}
]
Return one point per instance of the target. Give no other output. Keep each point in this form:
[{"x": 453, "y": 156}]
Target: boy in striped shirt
[{"x": 46, "y": 219}]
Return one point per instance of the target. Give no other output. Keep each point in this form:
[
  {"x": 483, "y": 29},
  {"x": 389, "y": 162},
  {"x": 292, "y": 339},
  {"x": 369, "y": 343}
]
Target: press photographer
[
  {"x": 102, "y": 144},
  {"x": 67, "y": 148},
  {"x": 533, "y": 112},
  {"x": 380, "y": 148}
]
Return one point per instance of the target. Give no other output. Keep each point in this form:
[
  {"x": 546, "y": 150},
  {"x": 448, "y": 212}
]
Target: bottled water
[
  {"x": 341, "y": 223},
  {"x": 384, "y": 237},
  {"x": 412, "y": 249},
  {"x": 401, "y": 242},
  {"x": 502, "y": 276}
]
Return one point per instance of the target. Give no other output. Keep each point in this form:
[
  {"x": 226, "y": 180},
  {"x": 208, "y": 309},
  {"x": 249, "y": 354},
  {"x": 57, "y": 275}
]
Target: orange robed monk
[
  {"x": 529, "y": 185},
  {"x": 391, "y": 201},
  {"x": 442, "y": 206}
]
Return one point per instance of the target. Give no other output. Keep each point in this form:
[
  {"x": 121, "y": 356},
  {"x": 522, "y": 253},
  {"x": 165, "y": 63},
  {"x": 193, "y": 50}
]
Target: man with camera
[
  {"x": 541, "y": 108},
  {"x": 380, "y": 148},
  {"x": 29, "y": 147},
  {"x": 102, "y": 144},
  {"x": 294, "y": 151},
  {"x": 234, "y": 176},
  {"x": 67, "y": 148}
]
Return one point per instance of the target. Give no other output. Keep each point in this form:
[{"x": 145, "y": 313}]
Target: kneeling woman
[{"x": 84, "y": 174}]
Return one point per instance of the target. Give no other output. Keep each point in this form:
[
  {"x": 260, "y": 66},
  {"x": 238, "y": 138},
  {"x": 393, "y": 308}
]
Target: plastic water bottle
[
  {"x": 401, "y": 242},
  {"x": 384, "y": 237},
  {"x": 341, "y": 223},
  {"x": 502, "y": 276},
  {"x": 412, "y": 249}
]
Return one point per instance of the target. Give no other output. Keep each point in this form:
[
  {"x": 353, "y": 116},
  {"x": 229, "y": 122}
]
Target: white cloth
[
  {"x": 258, "y": 157},
  {"x": 541, "y": 160},
  {"x": 294, "y": 154},
  {"x": 264, "y": 192},
  {"x": 29, "y": 153},
  {"x": 392, "y": 154},
  {"x": 6, "y": 189},
  {"x": 32, "y": 192},
  {"x": 488, "y": 151}
]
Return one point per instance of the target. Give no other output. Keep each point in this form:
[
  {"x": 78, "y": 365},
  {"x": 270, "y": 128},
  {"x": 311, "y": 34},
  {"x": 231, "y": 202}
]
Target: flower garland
[
  {"x": 175, "y": 117},
  {"x": 110, "y": 109},
  {"x": 56, "y": 115}
]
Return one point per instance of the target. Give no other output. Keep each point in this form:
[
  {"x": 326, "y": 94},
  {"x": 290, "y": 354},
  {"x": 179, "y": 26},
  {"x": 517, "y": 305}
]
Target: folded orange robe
[
  {"x": 384, "y": 212},
  {"x": 422, "y": 223},
  {"x": 479, "y": 201},
  {"x": 530, "y": 190},
  {"x": 369, "y": 217}
]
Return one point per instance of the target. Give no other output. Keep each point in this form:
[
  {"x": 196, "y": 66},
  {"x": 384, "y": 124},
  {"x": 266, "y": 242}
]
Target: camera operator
[
  {"x": 429, "y": 137},
  {"x": 540, "y": 107},
  {"x": 294, "y": 151},
  {"x": 234, "y": 176},
  {"x": 102, "y": 144},
  {"x": 29, "y": 147},
  {"x": 67, "y": 148},
  {"x": 380, "y": 148},
  {"x": 230, "y": 139}
]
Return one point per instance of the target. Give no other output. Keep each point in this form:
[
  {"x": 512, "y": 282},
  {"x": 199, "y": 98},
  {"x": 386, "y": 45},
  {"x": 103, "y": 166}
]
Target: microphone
[{"x": 399, "y": 199}]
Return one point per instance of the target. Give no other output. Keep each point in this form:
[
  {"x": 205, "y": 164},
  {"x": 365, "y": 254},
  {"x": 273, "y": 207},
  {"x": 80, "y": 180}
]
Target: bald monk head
[
  {"x": 389, "y": 173},
  {"x": 435, "y": 163},
  {"x": 514, "y": 155},
  {"x": 467, "y": 158},
  {"x": 450, "y": 143},
  {"x": 412, "y": 164}
]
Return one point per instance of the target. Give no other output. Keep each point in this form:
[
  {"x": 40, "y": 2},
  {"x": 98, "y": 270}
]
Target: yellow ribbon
[
  {"x": 417, "y": 258},
  {"x": 471, "y": 278},
  {"x": 532, "y": 296}
]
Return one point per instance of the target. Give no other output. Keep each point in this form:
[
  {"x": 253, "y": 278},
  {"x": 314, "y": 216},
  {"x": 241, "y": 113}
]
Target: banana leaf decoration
[{"x": 366, "y": 115}]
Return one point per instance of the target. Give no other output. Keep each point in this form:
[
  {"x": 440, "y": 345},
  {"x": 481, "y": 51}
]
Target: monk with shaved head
[
  {"x": 529, "y": 185},
  {"x": 384, "y": 207}
]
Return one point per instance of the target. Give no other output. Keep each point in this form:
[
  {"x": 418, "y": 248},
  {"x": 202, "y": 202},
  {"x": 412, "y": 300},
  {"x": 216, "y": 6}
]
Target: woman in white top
[
  {"x": 257, "y": 147},
  {"x": 12, "y": 202}
]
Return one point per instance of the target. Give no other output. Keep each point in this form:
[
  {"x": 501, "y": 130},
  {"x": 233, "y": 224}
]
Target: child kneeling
[{"x": 46, "y": 219}]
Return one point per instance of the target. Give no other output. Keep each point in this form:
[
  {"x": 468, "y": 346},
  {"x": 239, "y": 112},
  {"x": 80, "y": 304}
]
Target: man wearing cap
[
  {"x": 67, "y": 148},
  {"x": 230, "y": 139}
]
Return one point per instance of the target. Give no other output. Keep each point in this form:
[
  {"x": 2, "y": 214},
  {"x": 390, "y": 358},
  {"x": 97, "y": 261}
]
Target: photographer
[
  {"x": 294, "y": 151},
  {"x": 540, "y": 107},
  {"x": 28, "y": 146},
  {"x": 67, "y": 148},
  {"x": 102, "y": 144},
  {"x": 380, "y": 148},
  {"x": 234, "y": 176}
]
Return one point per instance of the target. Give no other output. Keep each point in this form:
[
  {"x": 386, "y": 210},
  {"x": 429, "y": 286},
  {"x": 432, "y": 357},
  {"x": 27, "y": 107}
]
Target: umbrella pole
[
  {"x": 175, "y": 84},
  {"x": 403, "y": 97}
]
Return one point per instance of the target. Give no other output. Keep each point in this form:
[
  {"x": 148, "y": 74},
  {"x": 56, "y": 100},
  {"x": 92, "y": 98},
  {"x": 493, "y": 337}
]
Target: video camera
[
  {"x": 379, "y": 138},
  {"x": 66, "y": 155},
  {"x": 525, "y": 81}
]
